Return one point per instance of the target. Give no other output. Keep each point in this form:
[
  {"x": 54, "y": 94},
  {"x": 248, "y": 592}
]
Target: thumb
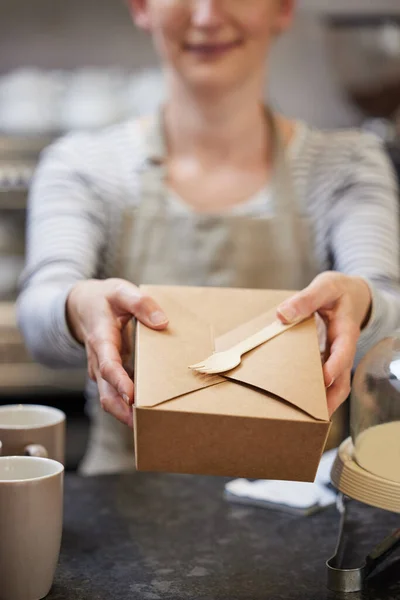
[
  {"x": 128, "y": 299},
  {"x": 322, "y": 292},
  {"x": 295, "y": 309}
]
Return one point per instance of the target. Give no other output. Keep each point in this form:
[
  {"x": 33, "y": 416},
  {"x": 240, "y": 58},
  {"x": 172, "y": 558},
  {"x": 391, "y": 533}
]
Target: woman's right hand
[{"x": 99, "y": 314}]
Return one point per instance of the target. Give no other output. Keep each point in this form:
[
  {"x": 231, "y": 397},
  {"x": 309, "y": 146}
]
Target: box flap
[
  {"x": 162, "y": 357},
  {"x": 288, "y": 366}
]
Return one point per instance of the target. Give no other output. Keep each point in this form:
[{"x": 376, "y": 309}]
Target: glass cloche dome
[
  {"x": 368, "y": 464},
  {"x": 375, "y": 410}
]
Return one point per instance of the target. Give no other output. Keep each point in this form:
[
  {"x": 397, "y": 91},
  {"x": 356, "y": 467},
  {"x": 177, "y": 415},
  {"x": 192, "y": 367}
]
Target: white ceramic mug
[
  {"x": 31, "y": 514},
  {"x": 32, "y": 430}
]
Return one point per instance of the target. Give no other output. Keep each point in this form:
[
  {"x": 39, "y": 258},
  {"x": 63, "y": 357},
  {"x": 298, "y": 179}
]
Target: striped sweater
[{"x": 84, "y": 182}]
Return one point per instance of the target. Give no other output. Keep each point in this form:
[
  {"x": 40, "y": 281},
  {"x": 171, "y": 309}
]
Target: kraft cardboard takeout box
[{"x": 266, "y": 419}]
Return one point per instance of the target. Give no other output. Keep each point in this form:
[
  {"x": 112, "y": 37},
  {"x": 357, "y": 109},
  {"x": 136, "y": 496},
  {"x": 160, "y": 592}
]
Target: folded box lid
[{"x": 287, "y": 368}]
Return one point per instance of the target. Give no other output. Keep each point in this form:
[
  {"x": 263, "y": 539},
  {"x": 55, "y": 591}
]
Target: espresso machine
[{"x": 365, "y": 53}]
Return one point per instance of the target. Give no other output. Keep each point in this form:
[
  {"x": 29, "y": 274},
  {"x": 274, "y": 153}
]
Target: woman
[{"x": 216, "y": 190}]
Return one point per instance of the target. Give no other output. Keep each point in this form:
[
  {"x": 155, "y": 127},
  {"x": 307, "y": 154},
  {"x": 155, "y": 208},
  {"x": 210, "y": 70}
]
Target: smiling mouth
[{"x": 212, "y": 49}]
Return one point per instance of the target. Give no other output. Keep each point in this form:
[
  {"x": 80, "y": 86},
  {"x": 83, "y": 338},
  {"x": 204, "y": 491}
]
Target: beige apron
[{"x": 273, "y": 250}]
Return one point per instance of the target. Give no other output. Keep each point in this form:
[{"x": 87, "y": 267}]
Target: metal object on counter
[
  {"x": 367, "y": 467},
  {"x": 344, "y": 580}
]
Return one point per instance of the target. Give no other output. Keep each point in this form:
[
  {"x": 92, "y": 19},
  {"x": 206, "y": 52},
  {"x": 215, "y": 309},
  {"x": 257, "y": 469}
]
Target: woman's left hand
[{"x": 344, "y": 303}]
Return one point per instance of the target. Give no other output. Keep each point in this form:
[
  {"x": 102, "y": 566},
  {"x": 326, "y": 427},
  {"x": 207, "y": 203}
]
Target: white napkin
[{"x": 290, "y": 496}]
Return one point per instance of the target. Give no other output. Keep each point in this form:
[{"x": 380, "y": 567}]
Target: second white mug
[{"x": 32, "y": 430}]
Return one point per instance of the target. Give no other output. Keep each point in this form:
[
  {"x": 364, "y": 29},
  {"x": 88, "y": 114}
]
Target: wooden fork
[{"x": 220, "y": 362}]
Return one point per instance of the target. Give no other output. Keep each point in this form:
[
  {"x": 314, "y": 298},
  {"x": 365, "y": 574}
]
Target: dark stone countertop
[{"x": 152, "y": 537}]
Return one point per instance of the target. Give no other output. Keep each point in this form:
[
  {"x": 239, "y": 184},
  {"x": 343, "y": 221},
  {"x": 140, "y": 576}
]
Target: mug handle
[{"x": 36, "y": 450}]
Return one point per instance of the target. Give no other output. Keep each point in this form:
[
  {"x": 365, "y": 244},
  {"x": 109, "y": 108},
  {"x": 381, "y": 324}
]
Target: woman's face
[{"x": 213, "y": 44}]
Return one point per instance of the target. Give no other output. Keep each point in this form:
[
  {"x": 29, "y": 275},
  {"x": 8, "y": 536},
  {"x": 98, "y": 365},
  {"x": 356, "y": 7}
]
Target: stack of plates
[
  {"x": 15, "y": 175},
  {"x": 357, "y": 483},
  {"x": 18, "y": 159}
]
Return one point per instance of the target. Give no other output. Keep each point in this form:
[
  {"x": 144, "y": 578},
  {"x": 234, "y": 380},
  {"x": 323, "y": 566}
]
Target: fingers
[
  {"x": 112, "y": 370},
  {"x": 343, "y": 335},
  {"x": 104, "y": 355},
  {"x": 323, "y": 292},
  {"x": 339, "y": 391},
  {"x": 330, "y": 294},
  {"x": 127, "y": 348},
  {"x": 127, "y": 298},
  {"x": 91, "y": 362},
  {"x": 322, "y": 334},
  {"x": 109, "y": 307},
  {"x": 112, "y": 402}
]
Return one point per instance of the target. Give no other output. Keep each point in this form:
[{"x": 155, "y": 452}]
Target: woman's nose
[{"x": 207, "y": 13}]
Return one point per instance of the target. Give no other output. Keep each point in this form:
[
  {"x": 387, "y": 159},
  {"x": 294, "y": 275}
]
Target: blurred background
[{"x": 80, "y": 64}]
